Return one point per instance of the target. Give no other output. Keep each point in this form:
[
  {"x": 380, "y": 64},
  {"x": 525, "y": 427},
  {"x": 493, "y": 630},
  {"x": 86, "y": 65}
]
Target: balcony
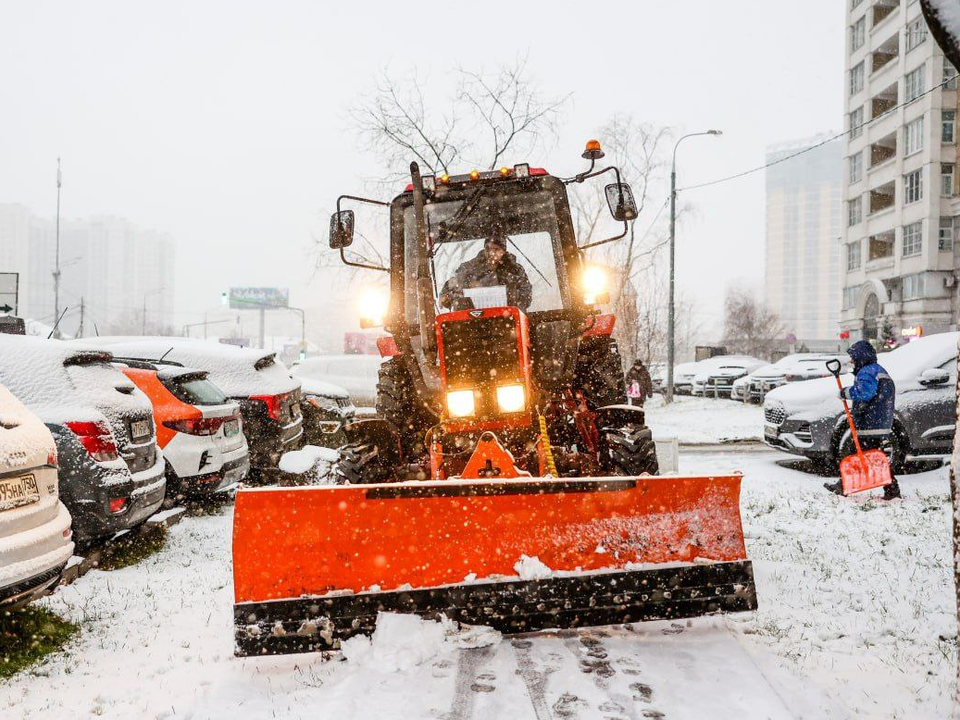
[
  {"x": 883, "y": 149},
  {"x": 883, "y": 197},
  {"x": 880, "y": 246},
  {"x": 882, "y": 10},
  {"x": 883, "y": 55},
  {"x": 883, "y": 101}
]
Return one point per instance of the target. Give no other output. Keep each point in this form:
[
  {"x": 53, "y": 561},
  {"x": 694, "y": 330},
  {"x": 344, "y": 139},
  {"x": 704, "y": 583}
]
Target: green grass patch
[
  {"x": 132, "y": 548},
  {"x": 30, "y": 634}
]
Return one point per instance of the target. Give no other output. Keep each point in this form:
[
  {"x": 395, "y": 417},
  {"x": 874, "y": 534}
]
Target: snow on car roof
[
  {"x": 24, "y": 439},
  {"x": 318, "y": 387},
  {"x": 235, "y": 370}
]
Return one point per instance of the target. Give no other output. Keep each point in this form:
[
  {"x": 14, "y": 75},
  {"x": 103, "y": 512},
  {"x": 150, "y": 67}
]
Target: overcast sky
[{"x": 226, "y": 124}]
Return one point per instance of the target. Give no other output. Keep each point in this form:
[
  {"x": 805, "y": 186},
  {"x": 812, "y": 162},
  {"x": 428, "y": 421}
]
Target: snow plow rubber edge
[{"x": 513, "y": 606}]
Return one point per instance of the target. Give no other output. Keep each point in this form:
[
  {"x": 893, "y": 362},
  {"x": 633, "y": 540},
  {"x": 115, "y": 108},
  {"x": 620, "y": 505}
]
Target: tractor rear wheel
[
  {"x": 397, "y": 402},
  {"x": 600, "y": 373},
  {"x": 628, "y": 450},
  {"x": 363, "y": 463}
]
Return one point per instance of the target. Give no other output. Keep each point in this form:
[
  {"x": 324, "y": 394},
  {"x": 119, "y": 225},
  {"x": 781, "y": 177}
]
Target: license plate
[
  {"x": 770, "y": 431},
  {"x": 231, "y": 427},
  {"x": 18, "y": 491},
  {"x": 140, "y": 429}
]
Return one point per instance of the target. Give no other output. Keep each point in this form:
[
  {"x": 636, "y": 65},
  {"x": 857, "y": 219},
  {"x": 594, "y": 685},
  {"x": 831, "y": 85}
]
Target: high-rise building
[
  {"x": 123, "y": 275},
  {"x": 899, "y": 175},
  {"x": 803, "y": 225}
]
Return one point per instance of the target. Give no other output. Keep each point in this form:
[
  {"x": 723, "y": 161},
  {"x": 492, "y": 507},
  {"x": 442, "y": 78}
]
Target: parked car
[
  {"x": 703, "y": 369},
  {"x": 35, "y": 534},
  {"x": 740, "y": 389},
  {"x": 357, "y": 374},
  {"x": 326, "y": 409},
  {"x": 719, "y": 381},
  {"x": 806, "y": 418},
  {"x": 683, "y": 375},
  {"x": 199, "y": 429},
  {"x": 792, "y": 368},
  {"x": 111, "y": 470},
  {"x": 268, "y": 396}
]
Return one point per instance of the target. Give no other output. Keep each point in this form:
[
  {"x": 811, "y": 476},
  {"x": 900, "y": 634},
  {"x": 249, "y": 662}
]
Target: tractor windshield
[{"x": 491, "y": 245}]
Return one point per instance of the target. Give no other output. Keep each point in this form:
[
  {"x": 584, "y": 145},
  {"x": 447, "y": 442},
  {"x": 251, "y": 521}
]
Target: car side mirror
[
  {"x": 620, "y": 201},
  {"x": 934, "y": 376},
  {"x": 341, "y": 229}
]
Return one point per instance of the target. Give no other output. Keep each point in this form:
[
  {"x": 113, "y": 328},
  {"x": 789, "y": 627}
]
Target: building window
[
  {"x": 854, "y": 3},
  {"x": 856, "y": 167},
  {"x": 913, "y": 137},
  {"x": 912, "y": 238},
  {"x": 856, "y": 122},
  {"x": 912, "y": 187},
  {"x": 854, "y": 212},
  {"x": 850, "y": 295},
  {"x": 853, "y": 256},
  {"x": 946, "y": 234},
  {"x": 856, "y": 78},
  {"x": 912, "y": 83},
  {"x": 858, "y": 34},
  {"x": 912, "y": 286},
  {"x": 916, "y": 33},
  {"x": 949, "y": 75},
  {"x": 946, "y": 179},
  {"x": 881, "y": 246},
  {"x": 948, "y": 126}
]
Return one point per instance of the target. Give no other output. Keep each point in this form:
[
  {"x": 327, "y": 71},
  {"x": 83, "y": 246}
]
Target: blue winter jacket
[{"x": 873, "y": 392}]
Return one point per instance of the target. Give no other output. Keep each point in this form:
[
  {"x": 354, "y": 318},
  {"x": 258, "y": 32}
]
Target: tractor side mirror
[
  {"x": 341, "y": 229},
  {"x": 934, "y": 376},
  {"x": 620, "y": 201}
]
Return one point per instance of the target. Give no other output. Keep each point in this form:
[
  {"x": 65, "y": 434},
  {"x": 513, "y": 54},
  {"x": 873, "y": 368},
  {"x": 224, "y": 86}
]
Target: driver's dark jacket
[{"x": 479, "y": 273}]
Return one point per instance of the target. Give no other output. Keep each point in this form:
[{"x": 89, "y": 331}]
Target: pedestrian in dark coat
[
  {"x": 873, "y": 394},
  {"x": 639, "y": 383},
  {"x": 493, "y": 266}
]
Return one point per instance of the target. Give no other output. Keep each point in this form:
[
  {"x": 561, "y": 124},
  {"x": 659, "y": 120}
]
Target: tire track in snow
[
  {"x": 469, "y": 682},
  {"x": 534, "y": 678}
]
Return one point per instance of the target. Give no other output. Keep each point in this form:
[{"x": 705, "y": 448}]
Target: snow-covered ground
[
  {"x": 854, "y": 598},
  {"x": 697, "y": 421}
]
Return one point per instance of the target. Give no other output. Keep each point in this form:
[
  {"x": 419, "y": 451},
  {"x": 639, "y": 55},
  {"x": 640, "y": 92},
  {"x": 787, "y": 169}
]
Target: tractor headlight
[
  {"x": 595, "y": 284},
  {"x": 373, "y": 307},
  {"x": 511, "y": 398},
  {"x": 460, "y": 403}
]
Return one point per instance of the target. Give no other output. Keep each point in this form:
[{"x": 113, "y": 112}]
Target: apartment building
[
  {"x": 899, "y": 175},
  {"x": 802, "y": 260}
]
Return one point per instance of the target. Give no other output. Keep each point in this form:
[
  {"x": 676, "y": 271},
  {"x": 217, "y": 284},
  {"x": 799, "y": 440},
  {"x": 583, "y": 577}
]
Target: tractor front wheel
[{"x": 628, "y": 450}]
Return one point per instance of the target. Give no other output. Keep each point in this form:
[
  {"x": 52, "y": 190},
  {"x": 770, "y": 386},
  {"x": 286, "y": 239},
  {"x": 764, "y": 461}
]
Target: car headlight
[
  {"x": 460, "y": 403},
  {"x": 374, "y": 303},
  {"x": 321, "y": 403},
  {"x": 595, "y": 284},
  {"x": 511, "y": 398}
]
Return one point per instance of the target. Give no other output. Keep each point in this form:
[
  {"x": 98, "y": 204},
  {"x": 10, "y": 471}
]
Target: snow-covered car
[
  {"x": 269, "y": 397},
  {"x": 326, "y": 409},
  {"x": 111, "y": 470},
  {"x": 807, "y": 418},
  {"x": 683, "y": 375},
  {"x": 199, "y": 429},
  {"x": 791, "y": 368},
  {"x": 35, "y": 535},
  {"x": 702, "y": 370},
  {"x": 357, "y": 374},
  {"x": 719, "y": 381},
  {"x": 740, "y": 389}
]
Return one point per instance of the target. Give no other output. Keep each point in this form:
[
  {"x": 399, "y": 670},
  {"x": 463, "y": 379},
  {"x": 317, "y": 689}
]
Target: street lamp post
[{"x": 671, "y": 330}]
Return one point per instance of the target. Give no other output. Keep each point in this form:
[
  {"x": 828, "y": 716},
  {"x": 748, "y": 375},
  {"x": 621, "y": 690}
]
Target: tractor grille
[
  {"x": 480, "y": 350},
  {"x": 774, "y": 413}
]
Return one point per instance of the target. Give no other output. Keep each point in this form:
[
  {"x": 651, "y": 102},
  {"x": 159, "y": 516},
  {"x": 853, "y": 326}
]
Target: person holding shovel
[{"x": 873, "y": 393}]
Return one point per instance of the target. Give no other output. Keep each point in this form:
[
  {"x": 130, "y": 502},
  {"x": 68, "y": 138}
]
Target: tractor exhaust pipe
[{"x": 426, "y": 312}]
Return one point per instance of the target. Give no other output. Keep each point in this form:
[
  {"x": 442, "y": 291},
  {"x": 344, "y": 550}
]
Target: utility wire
[{"x": 821, "y": 143}]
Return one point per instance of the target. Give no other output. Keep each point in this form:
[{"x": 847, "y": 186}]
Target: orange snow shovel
[{"x": 867, "y": 469}]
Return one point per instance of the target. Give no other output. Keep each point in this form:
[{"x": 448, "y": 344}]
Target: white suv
[{"x": 35, "y": 528}]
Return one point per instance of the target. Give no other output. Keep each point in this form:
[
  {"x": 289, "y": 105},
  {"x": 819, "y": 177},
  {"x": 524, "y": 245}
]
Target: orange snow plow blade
[{"x": 314, "y": 565}]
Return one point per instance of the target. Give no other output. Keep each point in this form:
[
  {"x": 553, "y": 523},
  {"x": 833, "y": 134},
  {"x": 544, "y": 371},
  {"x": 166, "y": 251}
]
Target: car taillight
[
  {"x": 272, "y": 402},
  {"x": 118, "y": 505},
  {"x": 52, "y": 458},
  {"x": 96, "y": 438},
  {"x": 196, "y": 426}
]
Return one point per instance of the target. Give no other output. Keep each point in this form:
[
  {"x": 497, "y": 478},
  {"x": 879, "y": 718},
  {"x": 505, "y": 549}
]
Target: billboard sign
[
  {"x": 9, "y": 291},
  {"x": 255, "y": 298}
]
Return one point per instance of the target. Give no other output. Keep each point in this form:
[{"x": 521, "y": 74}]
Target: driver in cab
[{"x": 493, "y": 266}]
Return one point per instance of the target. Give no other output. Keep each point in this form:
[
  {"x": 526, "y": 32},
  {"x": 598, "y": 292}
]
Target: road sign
[
  {"x": 791, "y": 339},
  {"x": 255, "y": 298},
  {"x": 9, "y": 292}
]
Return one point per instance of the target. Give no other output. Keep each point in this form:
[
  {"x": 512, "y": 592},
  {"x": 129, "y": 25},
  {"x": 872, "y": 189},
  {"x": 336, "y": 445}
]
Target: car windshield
[{"x": 525, "y": 221}]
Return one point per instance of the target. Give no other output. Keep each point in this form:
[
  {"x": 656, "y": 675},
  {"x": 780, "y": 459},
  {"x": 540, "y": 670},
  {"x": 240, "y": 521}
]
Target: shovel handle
[{"x": 834, "y": 367}]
